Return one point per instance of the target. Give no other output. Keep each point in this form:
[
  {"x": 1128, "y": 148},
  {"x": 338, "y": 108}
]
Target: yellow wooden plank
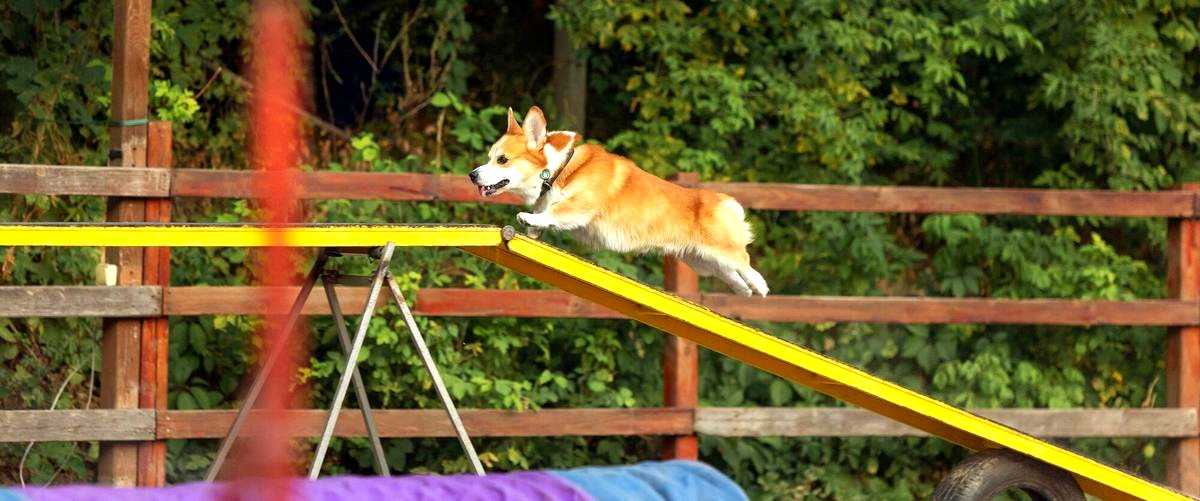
[
  {"x": 202, "y": 235},
  {"x": 680, "y": 317}
]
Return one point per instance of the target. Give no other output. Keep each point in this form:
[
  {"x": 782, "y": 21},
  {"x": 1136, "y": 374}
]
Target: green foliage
[
  {"x": 172, "y": 102},
  {"x": 1007, "y": 93}
]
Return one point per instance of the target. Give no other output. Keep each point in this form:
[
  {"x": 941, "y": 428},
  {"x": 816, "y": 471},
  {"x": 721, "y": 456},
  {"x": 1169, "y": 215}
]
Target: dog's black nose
[{"x": 474, "y": 176}]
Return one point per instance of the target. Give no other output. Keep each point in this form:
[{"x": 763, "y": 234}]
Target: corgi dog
[{"x": 606, "y": 200}]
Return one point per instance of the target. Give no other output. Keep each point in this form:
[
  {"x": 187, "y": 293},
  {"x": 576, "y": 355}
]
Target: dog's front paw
[
  {"x": 533, "y": 232},
  {"x": 534, "y": 220}
]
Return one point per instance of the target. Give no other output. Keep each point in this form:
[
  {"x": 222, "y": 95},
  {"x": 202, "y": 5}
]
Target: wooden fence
[{"x": 149, "y": 422}]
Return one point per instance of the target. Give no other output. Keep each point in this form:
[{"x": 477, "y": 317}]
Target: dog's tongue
[{"x": 483, "y": 191}]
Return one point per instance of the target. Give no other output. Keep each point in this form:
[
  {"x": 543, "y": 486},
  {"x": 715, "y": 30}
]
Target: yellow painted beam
[
  {"x": 238, "y": 235},
  {"x": 713, "y": 331}
]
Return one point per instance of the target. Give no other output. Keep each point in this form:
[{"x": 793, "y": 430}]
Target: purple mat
[{"x": 516, "y": 486}]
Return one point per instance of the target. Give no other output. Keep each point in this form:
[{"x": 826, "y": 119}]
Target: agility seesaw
[{"x": 646, "y": 304}]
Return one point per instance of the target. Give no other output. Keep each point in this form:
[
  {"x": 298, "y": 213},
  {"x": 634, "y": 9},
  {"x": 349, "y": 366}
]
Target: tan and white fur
[{"x": 607, "y": 200}]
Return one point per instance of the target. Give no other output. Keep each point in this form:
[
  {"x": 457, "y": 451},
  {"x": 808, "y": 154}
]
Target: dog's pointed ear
[
  {"x": 513, "y": 126},
  {"x": 535, "y": 128}
]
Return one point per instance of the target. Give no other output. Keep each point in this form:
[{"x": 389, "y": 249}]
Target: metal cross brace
[{"x": 352, "y": 348}]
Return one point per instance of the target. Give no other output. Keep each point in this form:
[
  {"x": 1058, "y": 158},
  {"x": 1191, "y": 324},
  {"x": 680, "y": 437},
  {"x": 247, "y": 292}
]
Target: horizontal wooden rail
[
  {"x": 117, "y": 181},
  {"x": 433, "y": 423},
  {"x": 397, "y": 186},
  {"x": 846, "y": 422},
  {"x": 930, "y": 310},
  {"x": 79, "y": 301},
  {"x": 81, "y": 180},
  {"x": 147, "y": 424},
  {"x": 911, "y": 310},
  {"x": 77, "y": 425},
  {"x": 929, "y": 200},
  {"x": 182, "y": 301}
]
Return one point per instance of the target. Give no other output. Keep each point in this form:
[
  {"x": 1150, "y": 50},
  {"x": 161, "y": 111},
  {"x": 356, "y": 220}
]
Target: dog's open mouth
[{"x": 487, "y": 191}]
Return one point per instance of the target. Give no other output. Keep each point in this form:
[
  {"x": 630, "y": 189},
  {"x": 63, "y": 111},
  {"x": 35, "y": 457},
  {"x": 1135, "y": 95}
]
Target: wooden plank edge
[
  {"x": 28, "y": 179},
  {"x": 76, "y": 425},
  {"x": 958, "y": 200},
  {"x": 393, "y": 186},
  {"x": 148, "y": 424},
  {"x": 143, "y": 301},
  {"x": 850, "y": 422},
  {"x": 432, "y": 422},
  {"x": 766, "y": 196},
  {"x": 58, "y": 301},
  {"x": 557, "y": 304},
  {"x": 816, "y": 309},
  {"x": 219, "y": 183}
]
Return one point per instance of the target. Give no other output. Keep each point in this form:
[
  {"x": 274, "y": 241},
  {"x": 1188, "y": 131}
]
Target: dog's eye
[{"x": 501, "y": 159}]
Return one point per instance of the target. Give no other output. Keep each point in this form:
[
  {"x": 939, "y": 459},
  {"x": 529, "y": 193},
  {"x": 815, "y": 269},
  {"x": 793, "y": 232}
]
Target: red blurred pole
[
  {"x": 276, "y": 70},
  {"x": 275, "y": 149}
]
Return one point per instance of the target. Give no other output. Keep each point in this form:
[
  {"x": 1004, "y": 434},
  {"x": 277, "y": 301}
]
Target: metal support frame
[
  {"x": 431, "y": 366},
  {"x": 352, "y": 347},
  {"x": 360, "y": 389},
  {"x": 351, "y": 368}
]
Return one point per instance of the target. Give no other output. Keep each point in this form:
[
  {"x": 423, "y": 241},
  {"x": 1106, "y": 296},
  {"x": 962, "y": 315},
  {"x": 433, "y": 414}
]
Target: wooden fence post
[
  {"x": 156, "y": 270},
  {"x": 1183, "y": 347},
  {"x": 121, "y": 341},
  {"x": 681, "y": 361}
]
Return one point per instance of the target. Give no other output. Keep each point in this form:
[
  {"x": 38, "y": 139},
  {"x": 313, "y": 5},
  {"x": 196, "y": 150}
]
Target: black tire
[{"x": 986, "y": 474}]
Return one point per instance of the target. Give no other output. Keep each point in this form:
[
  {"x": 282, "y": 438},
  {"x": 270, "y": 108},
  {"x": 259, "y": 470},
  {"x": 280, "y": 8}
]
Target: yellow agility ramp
[{"x": 651, "y": 306}]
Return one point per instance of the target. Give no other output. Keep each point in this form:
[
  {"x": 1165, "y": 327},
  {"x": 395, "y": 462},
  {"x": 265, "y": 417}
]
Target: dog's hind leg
[
  {"x": 733, "y": 268},
  {"x": 699, "y": 265},
  {"x": 714, "y": 265},
  {"x": 754, "y": 279},
  {"x": 735, "y": 281},
  {"x": 730, "y": 252}
]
